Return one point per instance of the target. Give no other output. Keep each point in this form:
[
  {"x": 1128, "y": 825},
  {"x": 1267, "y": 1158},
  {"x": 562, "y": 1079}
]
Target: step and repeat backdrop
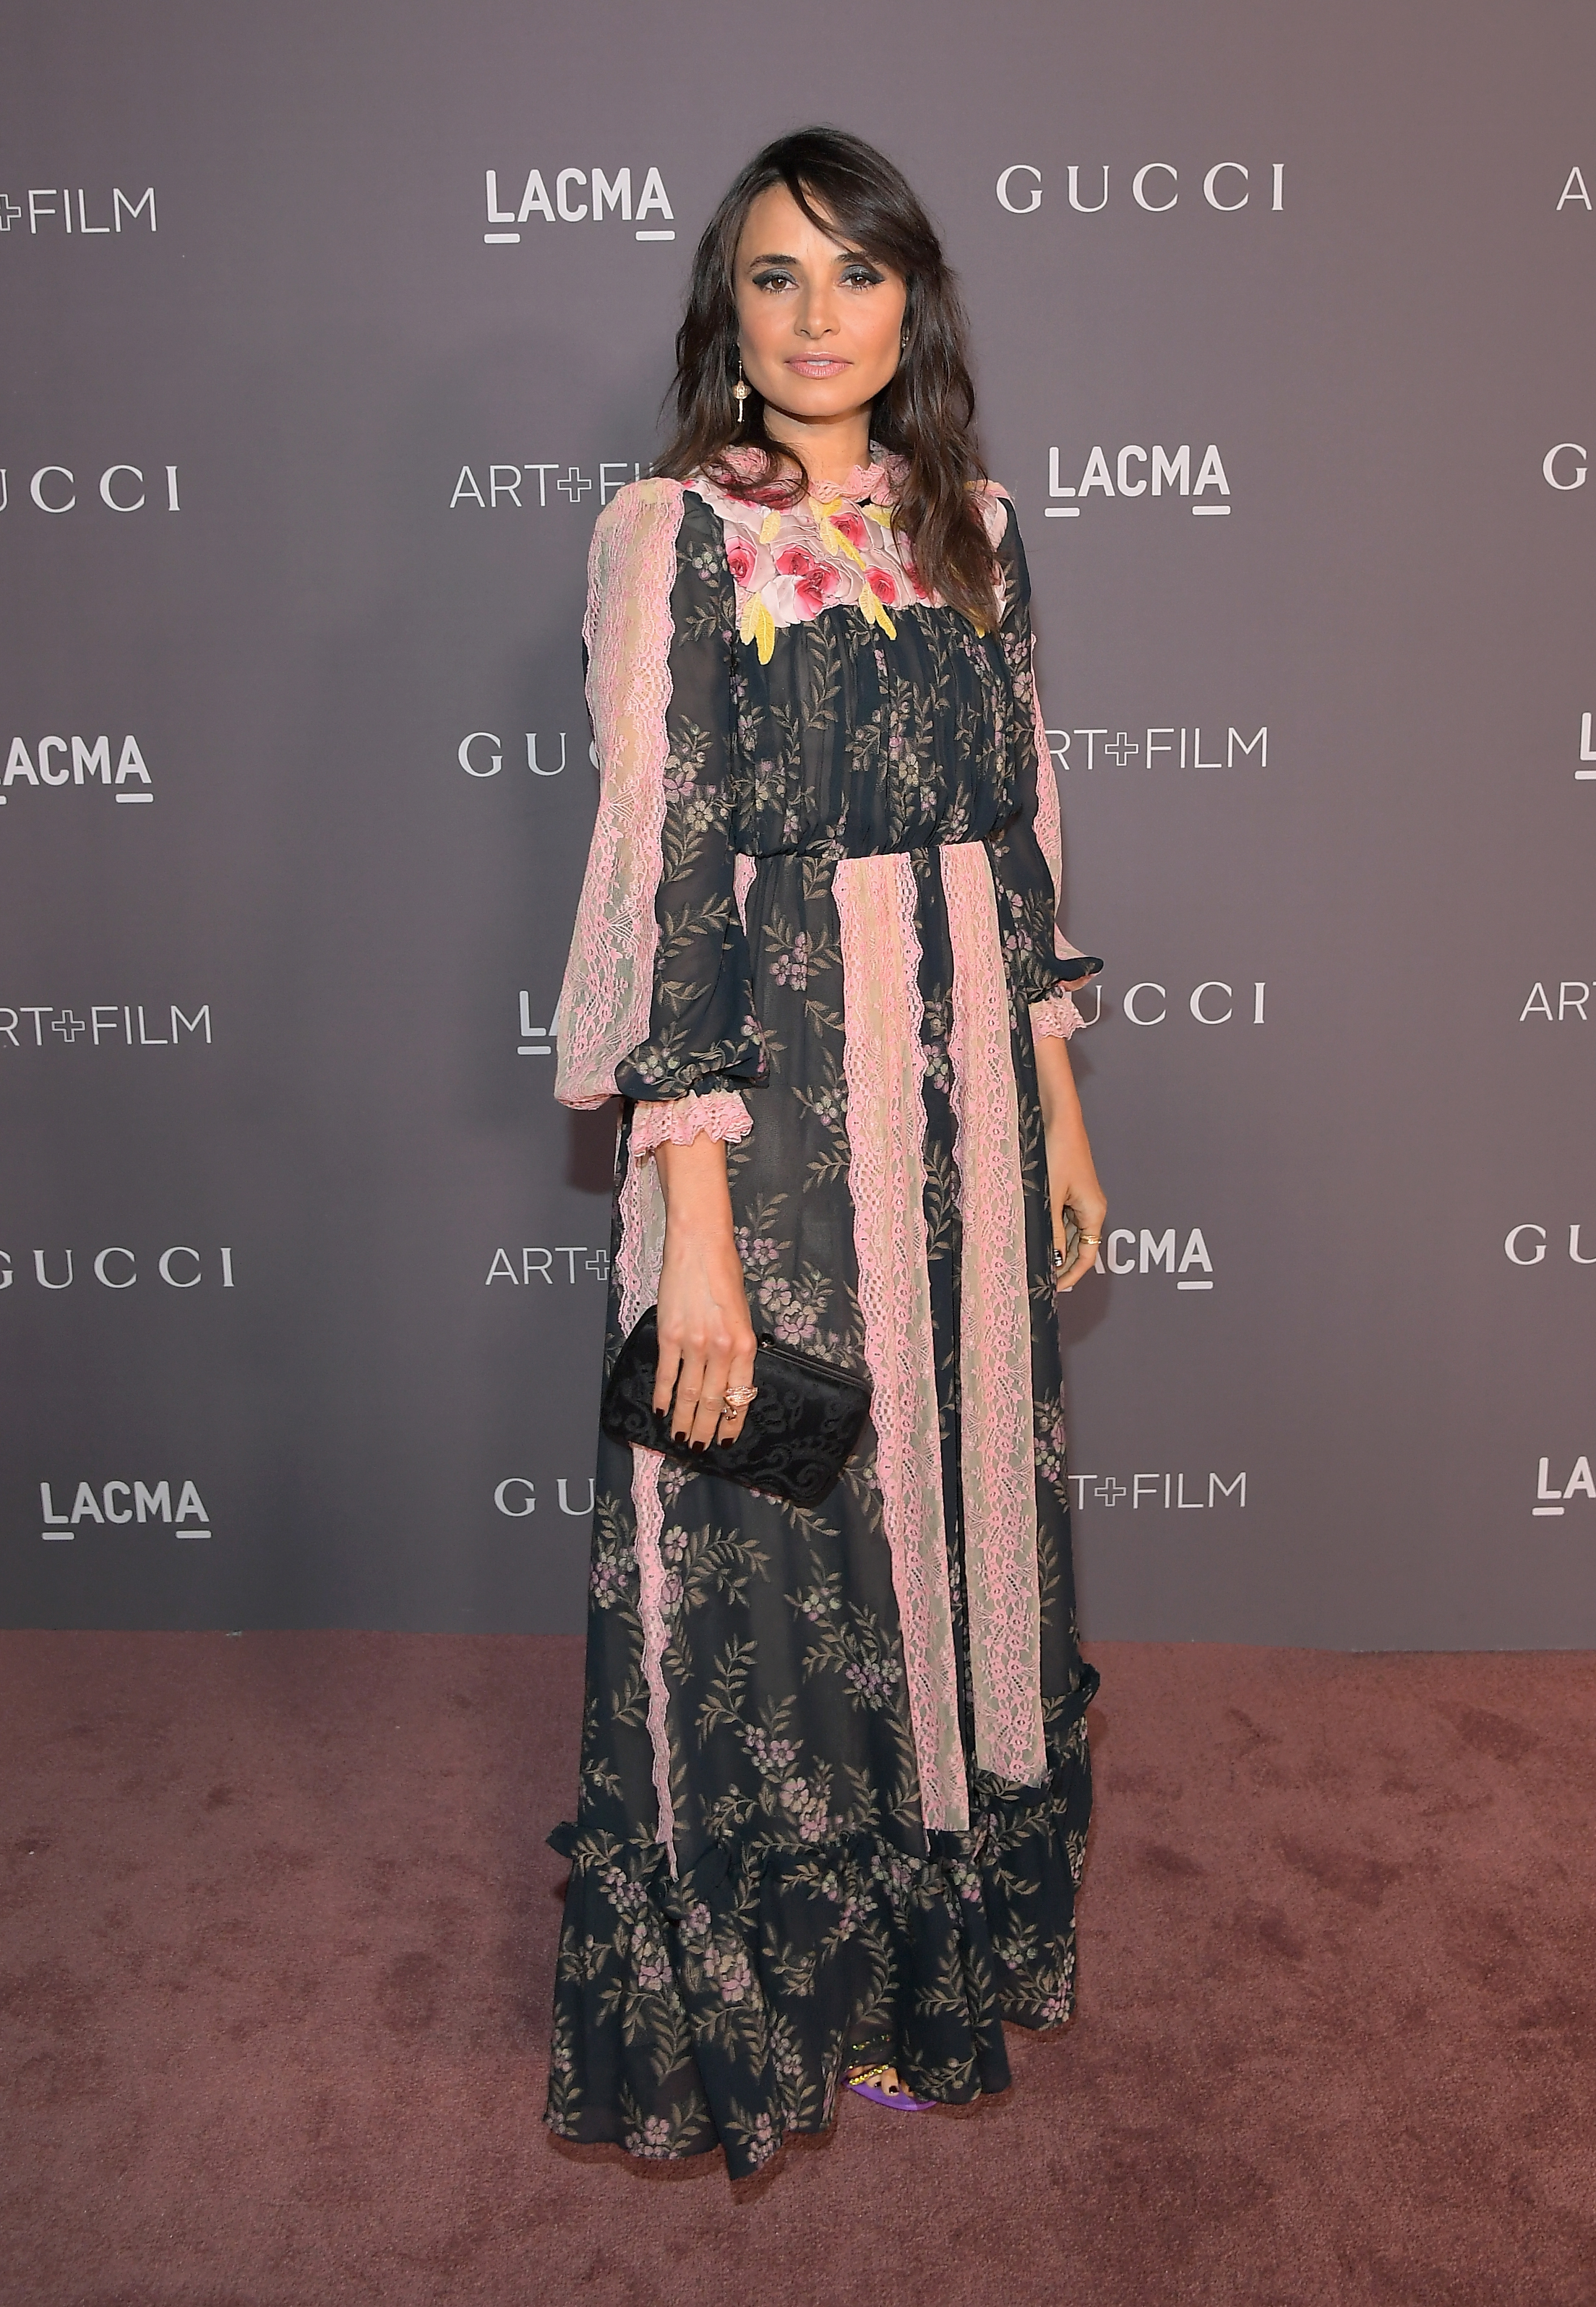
[{"x": 332, "y": 328}]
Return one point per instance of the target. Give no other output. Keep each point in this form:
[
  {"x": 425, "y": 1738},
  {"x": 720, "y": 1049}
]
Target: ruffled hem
[
  {"x": 678, "y": 1120},
  {"x": 721, "y": 2008}
]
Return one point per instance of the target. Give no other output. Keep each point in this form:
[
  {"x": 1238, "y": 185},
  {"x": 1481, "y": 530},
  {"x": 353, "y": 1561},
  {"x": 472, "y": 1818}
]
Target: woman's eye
[
  {"x": 773, "y": 280},
  {"x": 860, "y": 275}
]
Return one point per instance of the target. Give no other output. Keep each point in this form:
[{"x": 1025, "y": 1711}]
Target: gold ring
[{"x": 738, "y": 1397}]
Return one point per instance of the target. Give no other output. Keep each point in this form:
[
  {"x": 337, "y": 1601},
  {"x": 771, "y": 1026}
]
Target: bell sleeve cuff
[
  {"x": 1055, "y": 1020},
  {"x": 678, "y": 1120}
]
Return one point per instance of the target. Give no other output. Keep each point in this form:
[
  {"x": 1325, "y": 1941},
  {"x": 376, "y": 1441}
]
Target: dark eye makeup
[{"x": 860, "y": 274}]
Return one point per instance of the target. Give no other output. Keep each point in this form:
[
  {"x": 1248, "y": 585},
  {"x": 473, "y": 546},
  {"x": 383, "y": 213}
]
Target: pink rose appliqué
[
  {"x": 850, "y": 524},
  {"x": 741, "y": 553},
  {"x": 814, "y": 581},
  {"x": 883, "y": 584}
]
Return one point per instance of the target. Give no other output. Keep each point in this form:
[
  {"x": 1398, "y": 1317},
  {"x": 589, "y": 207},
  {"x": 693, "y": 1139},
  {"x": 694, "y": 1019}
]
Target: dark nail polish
[{"x": 699, "y": 1449}]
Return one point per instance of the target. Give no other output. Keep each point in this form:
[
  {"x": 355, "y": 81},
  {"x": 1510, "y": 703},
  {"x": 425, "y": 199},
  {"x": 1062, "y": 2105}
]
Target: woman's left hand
[
  {"x": 1088, "y": 1203},
  {"x": 1072, "y": 1183}
]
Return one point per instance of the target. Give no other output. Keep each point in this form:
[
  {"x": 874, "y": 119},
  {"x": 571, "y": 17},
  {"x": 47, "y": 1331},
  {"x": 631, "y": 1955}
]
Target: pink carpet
[{"x": 277, "y": 1930}]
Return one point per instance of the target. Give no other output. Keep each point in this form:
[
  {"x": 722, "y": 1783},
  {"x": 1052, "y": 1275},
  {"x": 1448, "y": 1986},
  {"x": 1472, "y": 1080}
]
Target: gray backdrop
[{"x": 303, "y": 444}]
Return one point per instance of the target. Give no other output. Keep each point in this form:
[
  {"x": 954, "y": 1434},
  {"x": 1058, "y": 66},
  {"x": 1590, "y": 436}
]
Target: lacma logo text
[
  {"x": 60, "y": 761},
  {"x": 1553, "y": 1496},
  {"x": 536, "y": 1041},
  {"x": 1139, "y": 472},
  {"x": 1124, "y": 1251},
  {"x": 126, "y": 1501},
  {"x": 579, "y": 197}
]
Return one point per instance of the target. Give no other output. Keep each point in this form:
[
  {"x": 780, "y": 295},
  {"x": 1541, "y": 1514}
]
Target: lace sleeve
[
  {"x": 655, "y": 1002},
  {"x": 1027, "y": 860}
]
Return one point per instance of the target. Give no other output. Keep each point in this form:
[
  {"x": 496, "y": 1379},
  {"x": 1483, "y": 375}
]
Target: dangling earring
[{"x": 740, "y": 394}]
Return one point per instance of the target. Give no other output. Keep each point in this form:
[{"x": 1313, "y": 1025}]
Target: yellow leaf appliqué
[
  {"x": 758, "y": 626},
  {"x": 832, "y": 540},
  {"x": 873, "y": 611}
]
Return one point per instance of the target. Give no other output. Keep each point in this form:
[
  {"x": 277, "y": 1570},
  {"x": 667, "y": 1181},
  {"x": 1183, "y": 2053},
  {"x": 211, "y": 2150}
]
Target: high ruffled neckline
[{"x": 874, "y": 484}]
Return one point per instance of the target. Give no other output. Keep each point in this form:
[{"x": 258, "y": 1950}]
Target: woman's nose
[{"x": 817, "y": 315}]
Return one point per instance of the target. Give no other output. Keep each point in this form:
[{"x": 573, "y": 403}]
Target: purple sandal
[{"x": 867, "y": 2083}]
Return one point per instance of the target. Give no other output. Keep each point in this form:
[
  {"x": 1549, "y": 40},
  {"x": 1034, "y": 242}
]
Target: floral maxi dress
[{"x": 834, "y": 1784}]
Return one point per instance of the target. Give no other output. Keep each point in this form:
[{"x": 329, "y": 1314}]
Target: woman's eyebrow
[{"x": 843, "y": 256}]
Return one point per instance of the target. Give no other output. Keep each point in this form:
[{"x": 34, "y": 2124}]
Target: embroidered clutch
[{"x": 797, "y": 1436}]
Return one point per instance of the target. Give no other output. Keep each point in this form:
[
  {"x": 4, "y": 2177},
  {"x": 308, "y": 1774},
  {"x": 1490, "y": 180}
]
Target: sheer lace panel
[
  {"x": 884, "y": 1062},
  {"x": 997, "y": 1451},
  {"x": 648, "y": 1508},
  {"x": 606, "y": 1000},
  {"x": 640, "y": 1250},
  {"x": 639, "y": 1254},
  {"x": 1025, "y": 851}
]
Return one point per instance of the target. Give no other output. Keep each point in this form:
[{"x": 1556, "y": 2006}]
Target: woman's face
[{"x": 820, "y": 325}]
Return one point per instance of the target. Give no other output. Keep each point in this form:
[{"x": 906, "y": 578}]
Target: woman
[{"x": 834, "y": 1785}]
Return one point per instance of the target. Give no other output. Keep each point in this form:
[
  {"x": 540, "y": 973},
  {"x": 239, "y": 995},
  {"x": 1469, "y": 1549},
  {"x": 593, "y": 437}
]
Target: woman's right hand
[{"x": 706, "y": 1338}]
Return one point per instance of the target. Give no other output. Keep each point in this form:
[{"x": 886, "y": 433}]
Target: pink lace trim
[
  {"x": 648, "y": 1514},
  {"x": 640, "y": 1251},
  {"x": 678, "y": 1120},
  {"x": 607, "y": 995},
  {"x": 884, "y": 1062},
  {"x": 997, "y": 1457},
  {"x": 1055, "y": 1019},
  {"x": 744, "y": 873},
  {"x": 637, "y": 1258}
]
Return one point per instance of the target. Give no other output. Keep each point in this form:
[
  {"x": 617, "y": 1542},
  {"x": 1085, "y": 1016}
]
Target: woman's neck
[{"x": 829, "y": 450}]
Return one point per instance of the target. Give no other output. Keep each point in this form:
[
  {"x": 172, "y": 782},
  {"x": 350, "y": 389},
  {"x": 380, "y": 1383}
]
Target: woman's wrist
[{"x": 698, "y": 1198}]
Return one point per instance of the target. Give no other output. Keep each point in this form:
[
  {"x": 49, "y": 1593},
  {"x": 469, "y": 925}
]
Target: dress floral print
[{"x": 834, "y": 1786}]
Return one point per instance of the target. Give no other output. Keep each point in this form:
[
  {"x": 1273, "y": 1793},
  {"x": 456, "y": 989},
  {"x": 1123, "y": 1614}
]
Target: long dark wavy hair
[{"x": 852, "y": 192}]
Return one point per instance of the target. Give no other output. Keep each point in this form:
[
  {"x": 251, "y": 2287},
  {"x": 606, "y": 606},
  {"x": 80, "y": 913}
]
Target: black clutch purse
[{"x": 797, "y": 1436}]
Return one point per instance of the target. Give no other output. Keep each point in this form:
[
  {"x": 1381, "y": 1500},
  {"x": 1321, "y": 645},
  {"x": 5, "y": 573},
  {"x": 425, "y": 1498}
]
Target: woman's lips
[{"x": 813, "y": 366}]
